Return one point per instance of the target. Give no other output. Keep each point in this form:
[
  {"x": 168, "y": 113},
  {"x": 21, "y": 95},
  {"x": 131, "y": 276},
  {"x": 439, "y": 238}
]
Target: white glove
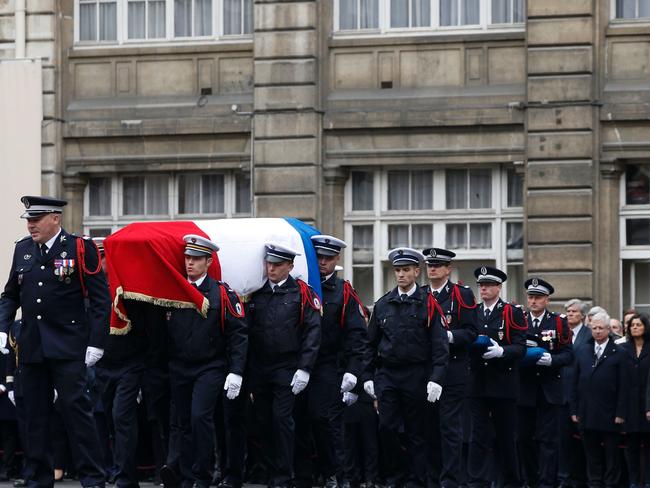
[
  {"x": 232, "y": 385},
  {"x": 450, "y": 337},
  {"x": 11, "y": 397},
  {"x": 369, "y": 388},
  {"x": 494, "y": 351},
  {"x": 3, "y": 388},
  {"x": 348, "y": 383},
  {"x": 299, "y": 381},
  {"x": 350, "y": 398},
  {"x": 93, "y": 354},
  {"x": 56, "y": 396},
  {"x": 434, "y": 390},
  {"x": 138, "y": 399},
  {"x": 3, "y": 343},
  {"x": 545, "y": 360}
]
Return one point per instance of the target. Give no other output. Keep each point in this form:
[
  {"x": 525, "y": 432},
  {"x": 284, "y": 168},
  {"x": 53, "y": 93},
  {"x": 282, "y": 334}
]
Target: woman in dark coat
[{"x": 637, "y": 427}]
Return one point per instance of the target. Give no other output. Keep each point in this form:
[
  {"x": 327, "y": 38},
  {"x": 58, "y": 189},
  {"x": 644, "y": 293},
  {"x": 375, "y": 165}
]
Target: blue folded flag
[
  {"x": 533, "y": 354},
  {"x": 480, "y": 345}
]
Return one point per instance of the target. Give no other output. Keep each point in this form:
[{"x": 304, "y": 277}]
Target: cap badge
[
  {"x": 483, "y": 270},
  {"x": 193, "y": 240},
  {"x": 327, "y": 241},
  {"x": 535, "y": 282},
  {"x": 400, "y": 252},
  {"x": 433, "y": 253},
  {"x": 27, "y": 257},
  {"x": 27, "y": 204}
]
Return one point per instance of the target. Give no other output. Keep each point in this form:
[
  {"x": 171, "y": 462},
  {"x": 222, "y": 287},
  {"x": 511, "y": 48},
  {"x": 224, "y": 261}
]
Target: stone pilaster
[
  {"x": 73, "y": 192},
  {"x": 560, "y": 168},
  {"x": 286, "y": 117}
]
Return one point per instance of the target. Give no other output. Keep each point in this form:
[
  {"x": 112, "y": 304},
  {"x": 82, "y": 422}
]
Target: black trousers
[
  {"x": 402, "y": 395},
  {"x": 450, "y": 411},
  {"x": 601, "y": 451},
  {"x": 637, "y": 455},
  {"x": 9, "y": 436},
  {"x": 196, "y": 388},
  {"x": 539, "y": 443},
  {"x": 235, "y": 432},
  {"x": 157, "y": 401},
  {"x": 69, "y": 378},
  {"x": 120, "y": 387},
  {"x": 318, "y": 414},
  {"x": 361, "y": 443},
  {"x": 493, "y": 425},
  {"x": 273, "y": 402}
]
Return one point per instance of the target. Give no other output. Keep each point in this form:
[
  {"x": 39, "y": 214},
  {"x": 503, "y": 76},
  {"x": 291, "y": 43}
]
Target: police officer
[
  {"x": 409, "y": 356},
  {"x": 206, "y": 355},
  {"x": 51, "y": 274},
  {"x": 459, "y": 306},
  {"x": 284, "y": 324},
  {"x": 340, "y": 362},
  {"x": 494, "y": 381},
  {"x": 540, "y": 392}
]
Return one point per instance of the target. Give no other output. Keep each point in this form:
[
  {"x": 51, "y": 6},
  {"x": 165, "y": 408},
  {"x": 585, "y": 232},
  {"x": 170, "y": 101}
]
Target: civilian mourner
[{"x": 52, "y": 273}]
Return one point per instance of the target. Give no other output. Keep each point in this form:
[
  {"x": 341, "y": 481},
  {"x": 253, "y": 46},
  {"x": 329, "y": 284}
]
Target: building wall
[{"x": 562, "y": 101}]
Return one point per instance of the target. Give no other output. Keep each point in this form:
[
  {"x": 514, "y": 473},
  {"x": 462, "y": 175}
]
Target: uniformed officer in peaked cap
[
  {"x": 409, "y": 356},
  {"x": 494, "y": 381},
  {"x": 459, "y": 306},
  {"x": 206, "y": 356},
  {"x": 284, "y": 323},
  {"x": 52, "y": 274},
  {"x": 541, "y": 394},
  {"x": 339, "y": 365}
]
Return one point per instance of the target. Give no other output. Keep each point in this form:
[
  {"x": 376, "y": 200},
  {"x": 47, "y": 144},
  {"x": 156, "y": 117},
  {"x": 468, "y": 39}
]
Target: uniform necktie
[
  {"x": 403, "y": 296},
  {"x": 276, "y": 288},
  {"x": 44, "y": 249},
  {"x": 194, "y": 285},
  {"x": 487, "y": 312},
  {"x": 535, "y": 323},
  {"x": 435, "y": 294}
]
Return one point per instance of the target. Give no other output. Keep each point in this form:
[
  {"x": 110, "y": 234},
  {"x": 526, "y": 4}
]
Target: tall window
[
  {"x": 97, "y": 20},
  {"x": 114, "y": 201},
  {"x": 632, "y": 9},
  {"x": 358, "y": 14},
  {"x": 635, "y": 236},
  {"x": 476, "y": 212},
  {"x": 428, "y": 15}
]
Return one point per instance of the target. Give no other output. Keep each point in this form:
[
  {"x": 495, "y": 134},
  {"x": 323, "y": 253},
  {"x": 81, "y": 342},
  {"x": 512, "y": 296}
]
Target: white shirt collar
[
  {"x": 602, "y": 346},
  {"x": 439, "y": 290},
  {"x": 199, "y": 281},
  {"x": 538, "y": 317},
  {"x": 323, "y": 280},
  {"x": 50, "y": 243},
  {"x": 410, "y": 292},
  {"x": 575, "y": 332},
  {"x": 279, "y": 284}
]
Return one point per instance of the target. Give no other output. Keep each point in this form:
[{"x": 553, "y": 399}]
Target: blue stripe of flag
[{"x": 306, "y": 231}]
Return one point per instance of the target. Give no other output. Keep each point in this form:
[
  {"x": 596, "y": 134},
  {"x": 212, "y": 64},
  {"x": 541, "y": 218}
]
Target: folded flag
[
  {"x": 533, "y": 354},
  {"x": 480, "y": 345}
]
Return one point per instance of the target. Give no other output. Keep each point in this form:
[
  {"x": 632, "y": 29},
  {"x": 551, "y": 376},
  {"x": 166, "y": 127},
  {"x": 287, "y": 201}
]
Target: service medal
[
  {"x": 500, "y": 335},
  {"x": 27, "y": 257}
]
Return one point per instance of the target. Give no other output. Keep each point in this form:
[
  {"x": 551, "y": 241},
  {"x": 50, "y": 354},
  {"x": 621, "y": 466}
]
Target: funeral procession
[{"x": 325, "y": 243}]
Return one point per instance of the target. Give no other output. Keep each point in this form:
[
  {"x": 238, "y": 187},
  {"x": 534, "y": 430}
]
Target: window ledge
[
  {"x": 628, "y": 27},
  {"x": 374, "y": 38},
  {"x": 168, "y": 47}
]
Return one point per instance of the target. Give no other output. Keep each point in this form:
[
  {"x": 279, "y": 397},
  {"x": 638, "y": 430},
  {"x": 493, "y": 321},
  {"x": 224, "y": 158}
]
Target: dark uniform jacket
[
  {"x": 600, "y": 387},
  {"x": 498, "y": 377},
  {"x": 344, "y": 336},
  {"x": 462, "y": 323},
  {"x": 194, "y": 339},
  {"x": 277, "y": 336},
  {"x": 56, "y": 323},
  {"x": 548, "y": 379},
  {"x": 637, "y": 392},
  {"x": 401, "y": 334},
  {"x": 584, "y": 334}
]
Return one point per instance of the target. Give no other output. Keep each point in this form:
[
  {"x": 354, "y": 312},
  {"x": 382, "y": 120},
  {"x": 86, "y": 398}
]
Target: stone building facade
[{"x": 516, "y": 134}]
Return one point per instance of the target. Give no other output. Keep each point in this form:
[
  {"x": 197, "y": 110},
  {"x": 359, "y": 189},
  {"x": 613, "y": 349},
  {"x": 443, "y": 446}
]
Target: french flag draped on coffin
[{"x": 145, "y": 262}]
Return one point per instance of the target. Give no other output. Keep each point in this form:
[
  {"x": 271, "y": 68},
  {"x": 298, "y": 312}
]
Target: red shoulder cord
[
  {"x": 434, "y": 306},
  {"x": 225, "y": 303},
  {"x": 348, "y": 292},
  {"x": 508, "y": 318},
  {"x": 562, "y": 340},
  {"x": 81, "y": 257},
  {"x": 307, "y": 298},
  {"x": 455, "y": 295}
]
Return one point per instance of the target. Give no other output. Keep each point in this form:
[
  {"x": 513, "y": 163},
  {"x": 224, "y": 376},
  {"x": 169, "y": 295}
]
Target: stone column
[
  {"x": 286, "y": 117},
  {"x": 73, "y": 192},
  {"x": 608, "y": 272},
  {"x": 560, "y": 168},
  {"x": 331, "y": 221}
]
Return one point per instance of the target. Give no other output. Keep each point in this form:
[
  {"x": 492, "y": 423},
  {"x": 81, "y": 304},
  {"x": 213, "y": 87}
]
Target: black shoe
[
  {"x": 331, "y": 482},
  {"x": 169, "y": 477}
]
